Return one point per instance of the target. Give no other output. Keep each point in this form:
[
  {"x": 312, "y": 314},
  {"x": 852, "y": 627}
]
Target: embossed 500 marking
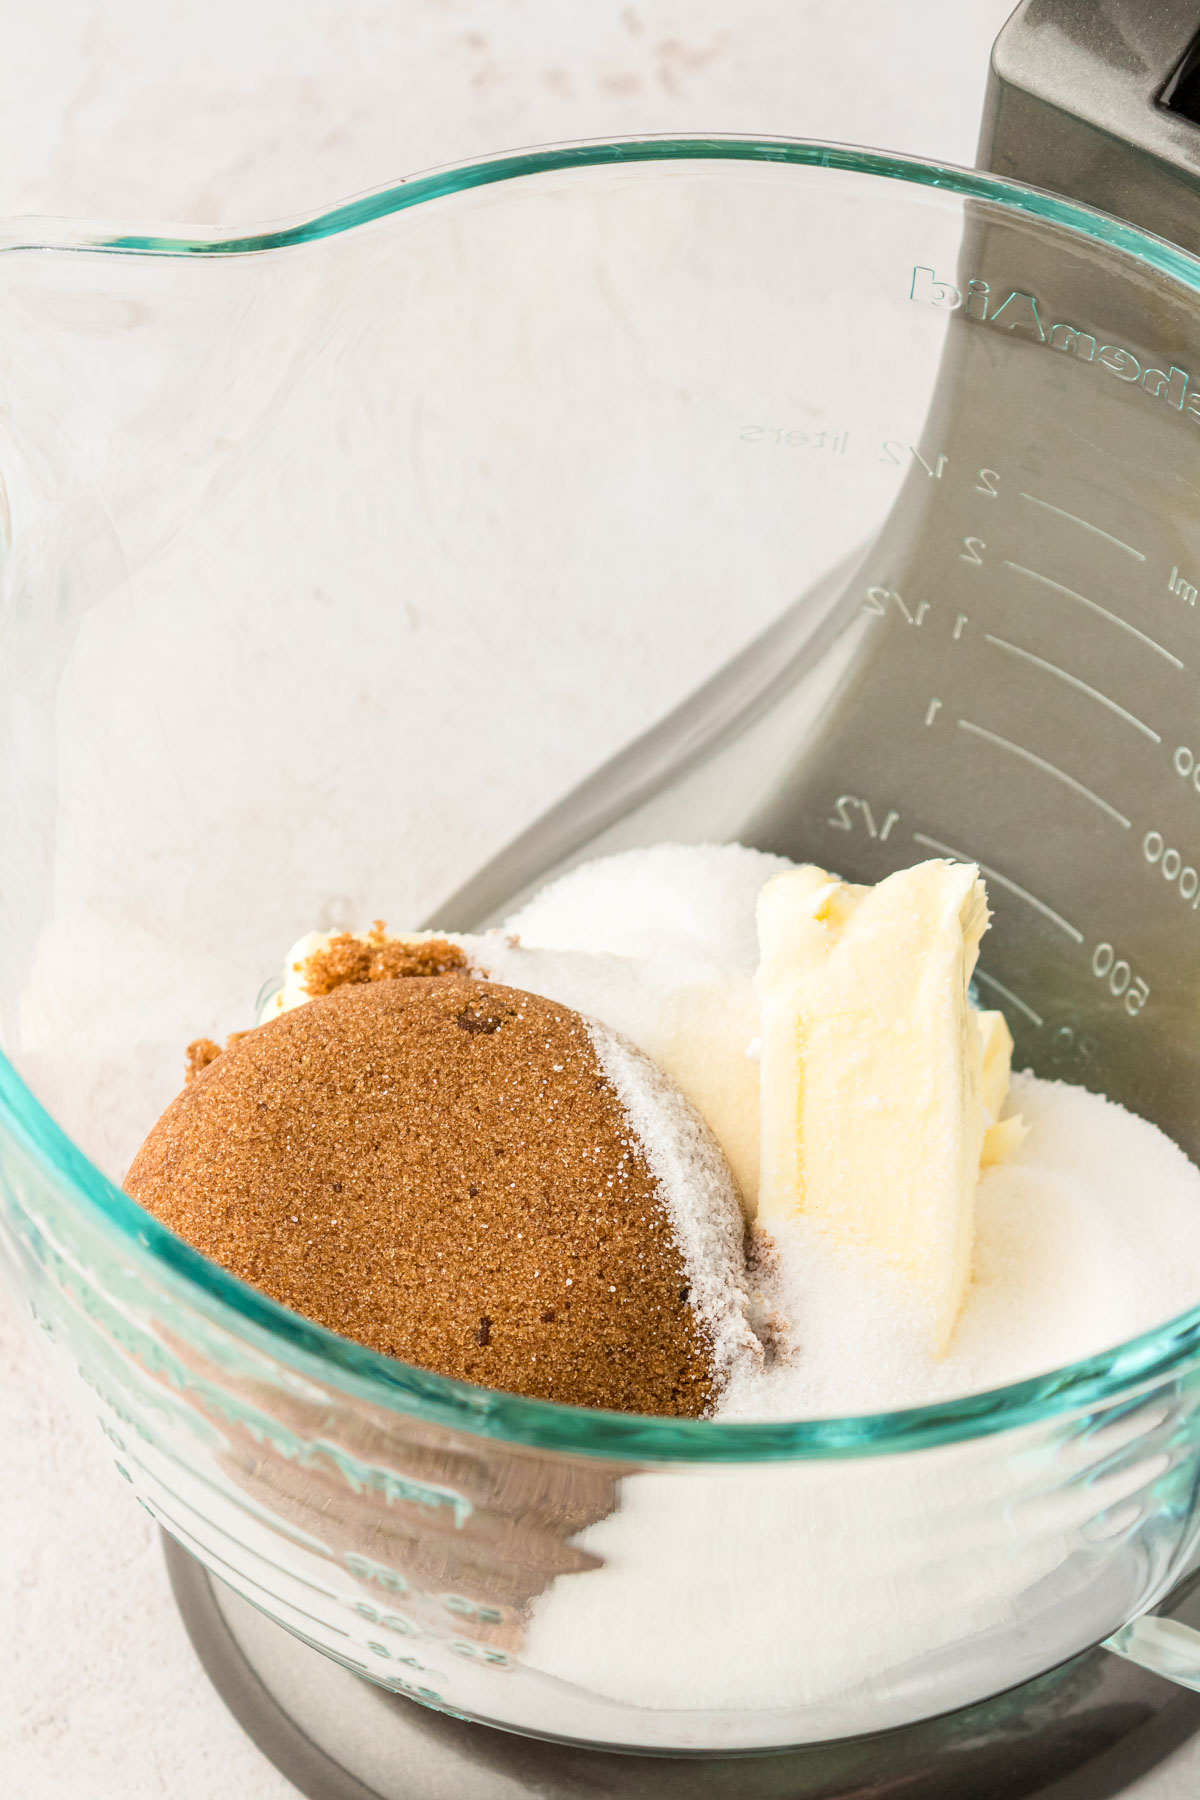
[{"x": 1120, "y": 979}]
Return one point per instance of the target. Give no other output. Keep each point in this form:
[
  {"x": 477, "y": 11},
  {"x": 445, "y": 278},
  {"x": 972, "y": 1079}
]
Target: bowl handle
[{"x": 1166, "y": 1647}]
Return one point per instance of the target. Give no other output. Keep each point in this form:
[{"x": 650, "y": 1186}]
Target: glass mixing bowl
[{"x": 334, "y": 556}]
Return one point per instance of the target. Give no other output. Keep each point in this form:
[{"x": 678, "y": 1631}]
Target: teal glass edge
[
  {"x": 458, "y": 178},
  {"x": 196, "y": 1282}
]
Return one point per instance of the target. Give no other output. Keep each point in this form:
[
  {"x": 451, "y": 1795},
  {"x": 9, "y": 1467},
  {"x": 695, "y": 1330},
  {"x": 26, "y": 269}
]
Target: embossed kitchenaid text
[{"x": 1011, "y": 309}]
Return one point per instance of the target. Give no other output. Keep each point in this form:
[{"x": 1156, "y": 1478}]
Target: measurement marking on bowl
[
  {"x": 1039, "y": 762},
  {"x": 1112, "y": 617},
  {"x": 209, "y": 1556},
  {"x": 259, "y": 1514},
  {"x": 1015, "y": 999},
  {"x": 1086, "y": 523},
  {"x": 995, "y": 875},
  {"x": 1073, "y": 681},
  {"x": 326, "y": 1593}
]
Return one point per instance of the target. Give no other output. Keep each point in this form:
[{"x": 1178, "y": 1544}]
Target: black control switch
[{"x": 1182, "y": 92}]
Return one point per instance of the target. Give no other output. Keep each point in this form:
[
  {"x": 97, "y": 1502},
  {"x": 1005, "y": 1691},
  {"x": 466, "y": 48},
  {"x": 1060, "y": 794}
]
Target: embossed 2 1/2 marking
[{"x": 845, "y": 803}]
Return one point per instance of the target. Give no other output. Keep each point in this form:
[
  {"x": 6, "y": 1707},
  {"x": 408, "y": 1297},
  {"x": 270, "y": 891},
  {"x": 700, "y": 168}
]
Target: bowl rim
[
  {"x": 37, "y": 232},
  {"x": 190, "y": 1279}
]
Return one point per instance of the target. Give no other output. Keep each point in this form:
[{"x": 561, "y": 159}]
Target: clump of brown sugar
[
  {"x": 440, "y": 1169},
  {"x": 200, "y": 1052},
  {"x": 377, "y": 957},
  {"x": 204, "y": 1050},
  {"x": 348, "y": 959}
]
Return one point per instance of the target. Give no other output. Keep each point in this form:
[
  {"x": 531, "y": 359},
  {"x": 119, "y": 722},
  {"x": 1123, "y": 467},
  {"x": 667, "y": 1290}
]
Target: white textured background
[{"x": 243, "y": 111}]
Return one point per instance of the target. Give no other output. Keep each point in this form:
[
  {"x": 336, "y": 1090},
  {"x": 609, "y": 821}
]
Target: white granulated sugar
[
  {"x": 1088, "y": 1236},
  {"x": 620, "y": 990},
  {"x": 814, "y": 1584},
  {"x": 694, "y": 901},
  {"x": 700, "y": 1199},
  {"x": 838, "y": 1580}
]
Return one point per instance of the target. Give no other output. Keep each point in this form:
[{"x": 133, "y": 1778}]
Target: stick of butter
[{"x": 875, "y": 1065}]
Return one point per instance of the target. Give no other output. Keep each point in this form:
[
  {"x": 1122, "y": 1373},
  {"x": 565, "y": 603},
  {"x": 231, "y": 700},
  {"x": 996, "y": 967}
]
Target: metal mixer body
[{"x": 1011, "y": 672}]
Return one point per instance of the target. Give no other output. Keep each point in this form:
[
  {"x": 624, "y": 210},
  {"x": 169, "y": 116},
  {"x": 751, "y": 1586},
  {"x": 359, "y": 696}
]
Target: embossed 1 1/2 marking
[
  {"x": 844, "y": 822},
  {"x": 876, "y": 603}
]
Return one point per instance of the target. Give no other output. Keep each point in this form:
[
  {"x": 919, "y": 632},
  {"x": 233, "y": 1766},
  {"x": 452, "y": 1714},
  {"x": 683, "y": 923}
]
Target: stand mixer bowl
[{"x": 864, "y": 490}]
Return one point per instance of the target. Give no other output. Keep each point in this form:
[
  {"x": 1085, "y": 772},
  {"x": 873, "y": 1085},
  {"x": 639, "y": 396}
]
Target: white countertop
[{"x": 247, "y": 110}]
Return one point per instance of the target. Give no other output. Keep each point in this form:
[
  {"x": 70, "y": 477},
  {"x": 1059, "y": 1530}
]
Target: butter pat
[
  {"x": 294, "y": 990},
  {"x": 873, "y": 1107},
  {"x": 1002, "y": 1138}
]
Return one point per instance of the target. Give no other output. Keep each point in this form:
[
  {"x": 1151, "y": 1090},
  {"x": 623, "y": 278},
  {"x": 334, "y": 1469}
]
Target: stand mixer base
[{"x": 1084, "y": 1732}]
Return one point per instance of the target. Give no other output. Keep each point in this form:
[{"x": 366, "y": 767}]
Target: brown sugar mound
[{"x": 440, "y": 1169}]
